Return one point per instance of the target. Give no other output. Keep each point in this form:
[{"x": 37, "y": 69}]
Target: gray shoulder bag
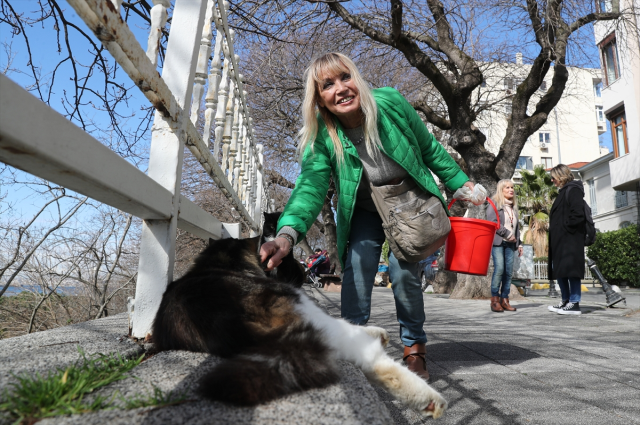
[{"x": 414, "y": 221}]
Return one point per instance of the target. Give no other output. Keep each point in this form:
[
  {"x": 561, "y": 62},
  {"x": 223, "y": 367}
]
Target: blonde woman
[
  {"x": 505, "y": 243},
  {"x": 348, "y": 129},
  {"x": 566, "y": 239}
]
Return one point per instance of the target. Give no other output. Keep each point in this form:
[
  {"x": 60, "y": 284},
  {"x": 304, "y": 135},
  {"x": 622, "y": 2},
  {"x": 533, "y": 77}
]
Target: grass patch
[
  {"x": 64, "y": 391},
  {"x": 157, "y": 398}
]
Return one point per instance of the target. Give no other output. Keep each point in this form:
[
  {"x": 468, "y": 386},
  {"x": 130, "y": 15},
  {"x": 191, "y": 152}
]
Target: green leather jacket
[{"x": 404, "y": 138}]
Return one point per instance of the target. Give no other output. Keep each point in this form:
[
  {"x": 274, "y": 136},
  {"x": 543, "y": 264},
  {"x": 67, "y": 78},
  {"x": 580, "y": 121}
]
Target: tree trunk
[
  {"x": 445, "y": 282},
  {"x": 304, "y": 245}
]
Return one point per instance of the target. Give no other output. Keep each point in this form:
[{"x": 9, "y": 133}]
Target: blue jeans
[
  {"x": 570, "y": 288},
  {"x": 365, "y": 245},
  {"x": 502, "y": 268}
]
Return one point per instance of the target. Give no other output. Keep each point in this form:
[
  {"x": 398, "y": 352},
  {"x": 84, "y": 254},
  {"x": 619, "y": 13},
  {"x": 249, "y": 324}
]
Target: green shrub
[{"x": 617, "y": 255}]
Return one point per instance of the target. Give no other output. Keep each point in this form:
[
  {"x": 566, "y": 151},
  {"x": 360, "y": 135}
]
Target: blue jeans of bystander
[
  {"x": 365, "y": 245},
  {"x": 570, "y": 288},
  {"x": 502, "y": 269}
]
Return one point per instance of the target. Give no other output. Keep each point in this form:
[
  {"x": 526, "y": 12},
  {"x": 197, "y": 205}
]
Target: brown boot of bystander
[
  {"x": 506, "y": 306},
  {"x": 495, "y": 305}
]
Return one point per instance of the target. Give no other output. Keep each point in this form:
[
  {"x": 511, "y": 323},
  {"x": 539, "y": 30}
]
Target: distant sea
[{"x": 62, "y": 290}]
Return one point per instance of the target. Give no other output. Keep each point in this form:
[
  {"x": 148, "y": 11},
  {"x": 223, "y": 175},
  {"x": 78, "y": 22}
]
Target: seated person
[{"x": 320, "y": 263}]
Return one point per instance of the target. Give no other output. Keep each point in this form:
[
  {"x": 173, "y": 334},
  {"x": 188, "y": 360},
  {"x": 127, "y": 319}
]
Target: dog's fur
[{"x": 272, "y": 338}]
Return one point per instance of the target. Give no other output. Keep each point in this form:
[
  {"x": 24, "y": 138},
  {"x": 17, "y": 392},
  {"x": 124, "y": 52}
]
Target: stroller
[{"x": 313, "y": 274}]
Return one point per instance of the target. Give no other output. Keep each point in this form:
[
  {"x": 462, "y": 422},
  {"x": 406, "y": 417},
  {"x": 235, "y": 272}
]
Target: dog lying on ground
[{"x": 273, "y": 340}]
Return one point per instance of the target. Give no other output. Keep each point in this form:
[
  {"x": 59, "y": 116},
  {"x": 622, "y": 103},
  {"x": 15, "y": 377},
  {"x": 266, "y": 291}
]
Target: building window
[
  {"x": 508, "y": 83},
  {"x": 547, "y": 162},
  {"x": 544, "y": 138},
  {"x": 507, "y": 109},
  {"x": 625, "y": 224},
  {"x": 619, "y": 132},
  {"x": 543, "y": 86},
  {"x": 599, "y": 114},
  {"x": 609, "y": 53},
  {"x": 597, "y": 89},
  {"x": 621, "y": 199},
  {"x": 592, "y": 197},
  {"x": 524, "y": 163},
  {"x": 604, "y": 6},
  {"x": 483, "y": 83}
]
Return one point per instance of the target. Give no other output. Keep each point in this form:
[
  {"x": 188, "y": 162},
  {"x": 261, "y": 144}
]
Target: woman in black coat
[{"x": 566, "y": 239}]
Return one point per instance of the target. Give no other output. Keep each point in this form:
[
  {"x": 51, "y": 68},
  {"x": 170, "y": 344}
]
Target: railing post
[
  {"x": 157, "y": 246},
  {"x": 158, "y": 21},
  {"x": 256, "y": 208}
]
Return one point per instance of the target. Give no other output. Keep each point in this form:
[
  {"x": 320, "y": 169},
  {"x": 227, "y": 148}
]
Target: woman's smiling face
[
  {"x": 507, "y": 191},
  {"x": 339, "y": 94}
]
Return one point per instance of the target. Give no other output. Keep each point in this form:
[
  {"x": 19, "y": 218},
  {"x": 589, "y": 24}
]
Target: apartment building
[
  {"x": 611, "y": 209},
  {"x": 571, "y": 132},
  {"x": 619, "y": 47}
]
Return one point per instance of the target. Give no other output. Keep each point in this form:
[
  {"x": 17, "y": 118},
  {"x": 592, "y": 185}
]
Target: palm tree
[{"x": 535, "y": 196}]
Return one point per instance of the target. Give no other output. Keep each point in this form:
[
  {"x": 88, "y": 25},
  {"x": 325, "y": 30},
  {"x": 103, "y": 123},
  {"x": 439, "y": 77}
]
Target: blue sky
[{"x": 45, "y": 53}]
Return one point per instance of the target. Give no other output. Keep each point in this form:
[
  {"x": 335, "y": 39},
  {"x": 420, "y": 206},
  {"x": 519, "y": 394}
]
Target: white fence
[
  {"x": 36, "y": 139},
  {"x": 541, "y": 273}
]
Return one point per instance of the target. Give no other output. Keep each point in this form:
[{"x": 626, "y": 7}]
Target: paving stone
[{"x": 527, "y": 367}]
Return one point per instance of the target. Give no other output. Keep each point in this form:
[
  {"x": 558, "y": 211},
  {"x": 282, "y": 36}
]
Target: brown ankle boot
[
  {"x": 414, "y": 358},
  {"x": 506, "y": 306},
  {"x": 495, "y": 305}
]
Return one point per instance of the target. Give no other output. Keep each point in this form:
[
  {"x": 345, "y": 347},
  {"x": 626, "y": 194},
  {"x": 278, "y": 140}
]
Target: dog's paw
[
  {"x": 436, "y": 407},
  {"x": 379, "y": 333}
]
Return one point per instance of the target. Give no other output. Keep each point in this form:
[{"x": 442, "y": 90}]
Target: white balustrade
[
  {"x": 235, "y": 161},
  {"x": 203, "y": 61},
  {"x": 158, "y": 21}
]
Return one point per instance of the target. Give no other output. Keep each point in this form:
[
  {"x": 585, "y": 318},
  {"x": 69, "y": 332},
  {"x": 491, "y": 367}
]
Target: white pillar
[{"x": 157, "y": 246}]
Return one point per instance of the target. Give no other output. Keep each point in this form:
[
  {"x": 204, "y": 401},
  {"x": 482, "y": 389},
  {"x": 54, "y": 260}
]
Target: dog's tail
[{"x": 266, "y": 374}]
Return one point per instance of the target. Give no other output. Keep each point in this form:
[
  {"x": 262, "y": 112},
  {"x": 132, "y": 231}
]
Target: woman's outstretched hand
[{"x": 275, "y": 251}]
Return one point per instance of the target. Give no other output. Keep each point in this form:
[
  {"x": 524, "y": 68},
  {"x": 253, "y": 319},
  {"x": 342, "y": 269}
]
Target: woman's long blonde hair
[
  {"x": 498, "y": 198},
  {"x": 335, "y": 64}
]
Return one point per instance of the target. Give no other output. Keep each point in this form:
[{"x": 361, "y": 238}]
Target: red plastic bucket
[{"x": 469, "y": 244}]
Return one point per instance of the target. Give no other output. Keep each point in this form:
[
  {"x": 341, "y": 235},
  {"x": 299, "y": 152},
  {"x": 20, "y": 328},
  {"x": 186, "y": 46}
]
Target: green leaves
[
  {"x": 617, "y": 255},
  {"x": 536, "y": 193}
]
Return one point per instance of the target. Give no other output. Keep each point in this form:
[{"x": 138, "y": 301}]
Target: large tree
[{"x": 450, "y": 43}]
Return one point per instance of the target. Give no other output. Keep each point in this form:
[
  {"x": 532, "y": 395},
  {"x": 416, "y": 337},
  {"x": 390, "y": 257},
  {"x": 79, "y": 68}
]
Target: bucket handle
[{"x": 488, "y": 199}]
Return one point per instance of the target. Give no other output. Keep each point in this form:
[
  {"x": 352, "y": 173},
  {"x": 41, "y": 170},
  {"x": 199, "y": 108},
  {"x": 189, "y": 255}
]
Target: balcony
[{"x": 625, "y": 171}]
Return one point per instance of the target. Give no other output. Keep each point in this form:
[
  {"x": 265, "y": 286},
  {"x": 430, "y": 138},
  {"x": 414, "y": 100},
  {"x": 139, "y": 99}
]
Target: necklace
[{"x": 508, "y": 209}]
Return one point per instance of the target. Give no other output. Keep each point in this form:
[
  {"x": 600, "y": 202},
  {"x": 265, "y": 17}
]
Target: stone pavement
[{"x": 527, "y": 367}]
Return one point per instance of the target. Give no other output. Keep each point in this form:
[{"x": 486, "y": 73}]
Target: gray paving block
[
  {"x": 351, "y": 401},
  {"x": 45, "y": 351},
  {"x": 529, "y": 367}
]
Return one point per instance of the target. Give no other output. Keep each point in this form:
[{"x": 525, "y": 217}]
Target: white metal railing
[
  {"x": 541, "y": 273},
  {"x": 54, "y": 149}
]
